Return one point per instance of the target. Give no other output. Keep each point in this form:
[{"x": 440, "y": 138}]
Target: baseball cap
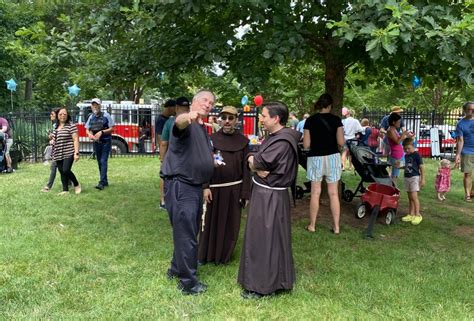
[
  {"x": 229, "y": 110},
  {"x": 170, "y": 103},
  {"x": 96, "y": 100},
  {"x": 396, "y": 109},
  {"x": 182, "y": 102}
]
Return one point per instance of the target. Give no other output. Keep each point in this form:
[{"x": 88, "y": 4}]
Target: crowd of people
[
  {"x": 222, "y": 173},
  {"x": 208, "y": 179}
]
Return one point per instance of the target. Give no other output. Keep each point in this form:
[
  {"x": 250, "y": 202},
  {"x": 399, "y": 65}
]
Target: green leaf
[
  {"x": 349, "y": 35},
  {"x": 376, "y": 53},
  {"x": 267, "y": 54},
  {"x": 389, "y": 47},
  {"x": 431, "y": 21},
  {"x": 368, "y": 29},
  {"x": 405, "y": 36},
  {"x": 372, "y": 44}
]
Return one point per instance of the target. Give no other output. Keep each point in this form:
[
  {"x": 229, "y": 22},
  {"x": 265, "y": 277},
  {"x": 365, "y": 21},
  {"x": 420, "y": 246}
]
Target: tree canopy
[{"x": 127, "y": 49}]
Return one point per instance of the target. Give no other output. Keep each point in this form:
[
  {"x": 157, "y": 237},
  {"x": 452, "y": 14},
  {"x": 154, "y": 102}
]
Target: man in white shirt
[{"x": 351, "y": 128}]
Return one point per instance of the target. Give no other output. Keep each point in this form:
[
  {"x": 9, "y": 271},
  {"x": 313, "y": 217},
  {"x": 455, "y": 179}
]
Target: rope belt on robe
[
  {"x": 204, "y": 205},
  {"x": 269, "y": 187}
]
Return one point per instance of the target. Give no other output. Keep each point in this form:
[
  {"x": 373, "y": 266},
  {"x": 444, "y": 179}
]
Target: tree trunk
[
  {"x": 334, "y": 81},
  {"x": 28, "y": 90}
]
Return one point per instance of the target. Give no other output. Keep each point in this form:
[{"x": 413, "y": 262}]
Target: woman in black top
[{"x": 324, "y": 137}]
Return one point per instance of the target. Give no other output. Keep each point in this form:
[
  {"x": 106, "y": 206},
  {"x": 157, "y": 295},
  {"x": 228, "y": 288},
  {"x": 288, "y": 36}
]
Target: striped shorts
[{"x": 328, "y": 166}]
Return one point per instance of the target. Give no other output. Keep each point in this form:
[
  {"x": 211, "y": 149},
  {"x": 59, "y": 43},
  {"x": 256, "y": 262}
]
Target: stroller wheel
[
  {"x": 361, "y": 211},
  {"x": 299, "y": 192},
  {"x": 347, "y": 196},
  {"x": 390, "y": 217}
]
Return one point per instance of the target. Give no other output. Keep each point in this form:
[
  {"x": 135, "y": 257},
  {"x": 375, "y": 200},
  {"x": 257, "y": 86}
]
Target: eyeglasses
[{"x": 229, "y": 118}]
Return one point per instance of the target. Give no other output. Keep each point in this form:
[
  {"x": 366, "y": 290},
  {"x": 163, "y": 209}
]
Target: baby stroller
[
  {"x": 302, "y": 160},
  {"x": 381, "y": 196},
  {"x": 369, "y": 167}
]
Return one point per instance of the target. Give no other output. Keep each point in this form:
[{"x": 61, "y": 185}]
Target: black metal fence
[
  {"x": 420, "y": 123},
  {"x": 134, "y": 133}
]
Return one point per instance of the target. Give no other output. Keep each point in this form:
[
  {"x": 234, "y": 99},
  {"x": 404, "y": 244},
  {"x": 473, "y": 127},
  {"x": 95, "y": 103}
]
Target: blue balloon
[
  {"x": 74, "y": 90},
  {"x": 11, "y": 85},
  {"x": 244, "y": 100},
  {"x": 416, "y": 82}
]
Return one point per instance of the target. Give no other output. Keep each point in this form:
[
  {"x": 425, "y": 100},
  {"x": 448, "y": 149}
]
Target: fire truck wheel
[{"x": 118, "y": 147}]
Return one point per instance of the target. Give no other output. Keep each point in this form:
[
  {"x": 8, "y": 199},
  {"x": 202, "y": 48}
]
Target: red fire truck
[{"x": 129, "y": 120}]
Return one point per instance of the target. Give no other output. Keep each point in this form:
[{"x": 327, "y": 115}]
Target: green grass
[{"x": 103, "y": 255}]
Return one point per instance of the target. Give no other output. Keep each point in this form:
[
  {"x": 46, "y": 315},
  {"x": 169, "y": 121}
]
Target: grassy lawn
[{"x": 103, "y": 255}]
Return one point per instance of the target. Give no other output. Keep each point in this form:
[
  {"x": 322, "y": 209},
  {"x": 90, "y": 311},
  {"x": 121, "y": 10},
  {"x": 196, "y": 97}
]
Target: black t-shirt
[
  {"x": 323, "y": 128},
  {"x": 413, "y": 162},
  {"x": 160, "y": 123},
  {"x": 189, "y": 157}
]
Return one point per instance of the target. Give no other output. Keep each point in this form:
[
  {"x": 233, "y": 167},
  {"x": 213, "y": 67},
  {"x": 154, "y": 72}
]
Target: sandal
[
  {"x": 307, "y": 229},
  {"x": 468, "y": 199}
]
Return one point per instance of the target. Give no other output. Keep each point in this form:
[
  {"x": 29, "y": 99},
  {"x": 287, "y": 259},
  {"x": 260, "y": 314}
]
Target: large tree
[
  {"x": 127, "y": 46},
  {"x": 250, "y": 38}
]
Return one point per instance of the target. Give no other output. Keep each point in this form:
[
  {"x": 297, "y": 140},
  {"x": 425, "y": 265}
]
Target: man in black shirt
[{"x": 188, "y": 165}]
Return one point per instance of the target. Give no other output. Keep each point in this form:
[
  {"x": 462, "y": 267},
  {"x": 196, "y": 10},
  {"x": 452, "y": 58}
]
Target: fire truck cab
[{"x": 132, "y": 122}]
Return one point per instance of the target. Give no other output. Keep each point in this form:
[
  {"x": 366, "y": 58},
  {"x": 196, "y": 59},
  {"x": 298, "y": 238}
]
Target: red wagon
[{"x": 381, "y": 200}]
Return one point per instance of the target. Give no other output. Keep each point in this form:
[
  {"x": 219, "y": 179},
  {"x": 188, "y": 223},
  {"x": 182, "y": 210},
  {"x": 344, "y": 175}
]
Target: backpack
[{"x": 374, "y": 137}]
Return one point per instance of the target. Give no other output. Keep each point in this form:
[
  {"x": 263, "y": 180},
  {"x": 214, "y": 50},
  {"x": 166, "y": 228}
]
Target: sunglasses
[{"x": 229, "y": 118}]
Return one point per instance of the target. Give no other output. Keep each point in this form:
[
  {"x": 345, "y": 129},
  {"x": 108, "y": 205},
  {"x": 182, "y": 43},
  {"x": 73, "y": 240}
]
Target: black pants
[
  {"x": 184, "y": 204},
  {"x": 64, "y": 167}
]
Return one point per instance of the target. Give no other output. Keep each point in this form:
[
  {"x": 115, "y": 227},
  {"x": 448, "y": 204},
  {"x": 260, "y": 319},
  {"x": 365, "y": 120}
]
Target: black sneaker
[
  {"x": 100, "y": 187},
  {"x": 199, "y": 288}
]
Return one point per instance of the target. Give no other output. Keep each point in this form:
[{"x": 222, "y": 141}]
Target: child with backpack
[{"x": 374, "y": 139}]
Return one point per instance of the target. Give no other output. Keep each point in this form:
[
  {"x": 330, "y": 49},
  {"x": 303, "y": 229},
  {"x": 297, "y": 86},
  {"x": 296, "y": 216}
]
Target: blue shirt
[
  {"x": 364, "y": 138},
  {"x": 465, "y": 129},
  {"x": 300, "y": 126}
]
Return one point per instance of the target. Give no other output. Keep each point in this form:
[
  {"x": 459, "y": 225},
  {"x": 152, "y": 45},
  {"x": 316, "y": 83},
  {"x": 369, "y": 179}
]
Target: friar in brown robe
[
  {"x": 229, "y": 192},
  {"x": 266, "y": 263}
]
